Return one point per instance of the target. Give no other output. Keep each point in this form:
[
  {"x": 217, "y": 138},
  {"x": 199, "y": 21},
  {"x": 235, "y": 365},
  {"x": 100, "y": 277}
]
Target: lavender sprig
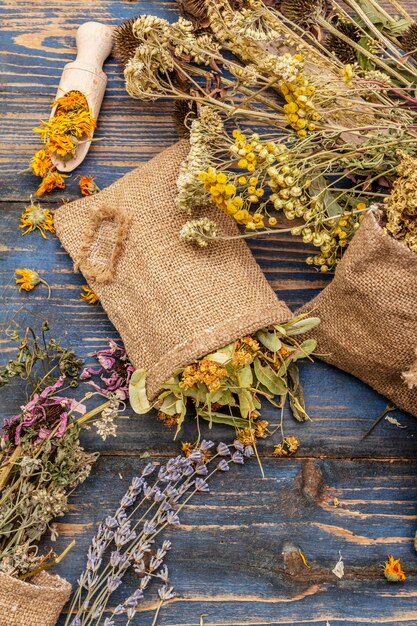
[{"x": 126, "y": 541}]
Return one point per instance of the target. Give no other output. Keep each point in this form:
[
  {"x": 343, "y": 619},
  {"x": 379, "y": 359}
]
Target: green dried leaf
[
  {"x": 301, "y": 326},
  {"x": 246, "y": 405},
  {"x": 306, "y": 348},
  {"x": 269, "y": 378},
  {"x": 296, "y": 395},
  {"x": 319, "y": 188},
  {"x": 228, "y": 420},
  {"x": 269, "y": 339},
  {"x": 169, "y": 404},
  {"x": 223, "y": 355},
  {"x": 245, "y": 376},
  {"x": 137, "y": 392}
]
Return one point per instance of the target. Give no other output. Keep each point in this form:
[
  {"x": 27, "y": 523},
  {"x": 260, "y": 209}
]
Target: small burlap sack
[
  {"x": 35, "y": 603},
  {"x": 369, "y": 313},
  {"x": 171, "y": 302}
]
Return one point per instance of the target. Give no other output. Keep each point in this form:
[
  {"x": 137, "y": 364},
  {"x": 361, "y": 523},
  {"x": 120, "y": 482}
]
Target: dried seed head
[
  {"x": 408, "y": 40},
  {"x": 344, "y": 52},
  {"x": 195, "y": 8},
  {"x": 303, "y": 12},
  {"x": 125, "y": 41},
  {"x": 183, "y": 114}
]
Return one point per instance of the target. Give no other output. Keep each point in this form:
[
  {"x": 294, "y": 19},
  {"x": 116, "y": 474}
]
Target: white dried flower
[{"x": 199, "y": 231}]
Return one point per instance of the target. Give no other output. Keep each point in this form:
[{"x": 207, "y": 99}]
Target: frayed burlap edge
[
  {"x": 92, "y": 270},
  {"x": 35, "y": 603}
]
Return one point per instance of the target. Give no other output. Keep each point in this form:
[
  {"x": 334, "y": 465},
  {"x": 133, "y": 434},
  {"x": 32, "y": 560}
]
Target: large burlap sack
[
  {"x": 171, "y": 302},
  {"x": 369, "y": 313},
  {"x": 35, "y": 603}
]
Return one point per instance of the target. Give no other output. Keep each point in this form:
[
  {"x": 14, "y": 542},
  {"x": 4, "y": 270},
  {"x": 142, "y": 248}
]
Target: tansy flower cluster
[
  {"x": 300, "y": 110},
  {"x": 72, "y": 122}
]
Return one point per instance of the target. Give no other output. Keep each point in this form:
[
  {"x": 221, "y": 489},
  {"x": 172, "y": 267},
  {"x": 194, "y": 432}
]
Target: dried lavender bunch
[
  {"x": 41, "y": 459},
  {"x": 126, "y": 541}
]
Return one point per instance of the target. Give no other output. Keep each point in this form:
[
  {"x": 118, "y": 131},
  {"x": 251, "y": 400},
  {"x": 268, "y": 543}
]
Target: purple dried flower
[
  {"x": 206, "y": 444},
  {"x": 201, "y": 469},
  {"x": 237, "y": 457},
  {"x": 166, "y": 593},
  {"x": 166, "y": 545},
  {"x": 148, "y": 527},
  {"x": 76, "y": 621},
  {"x": 113, "y": 361},
  {"x": 107, "y": 622},
  {"x": 135, "y": 598},
  {"x": 173, "y": 519},
  {"x": 144, "y": 582},
  {"x": 110, "y": 522},
  {"x": 148, "y": 469},
  {"x": 201, "y": 485},
  {"x": 119, "y": 610},
  {"x": 113, "y": 582},
  {"x": 248, "y": 452},
  {"x": 223, "y": 465},
  {"x": 223, "y": 449},
  {"x": 196, "y": 456},
  {"x": 127, "y": 500},
  {"x": 163, "y": 574},
  {"x": 238, "y": 445},
  {"x": 154, "y": 563}
]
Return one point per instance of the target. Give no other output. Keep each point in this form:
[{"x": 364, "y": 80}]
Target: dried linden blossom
[{"x": 228, "y": 385}]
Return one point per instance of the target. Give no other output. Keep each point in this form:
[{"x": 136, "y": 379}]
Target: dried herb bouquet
[
  {"x": 296, "y": 109},
  {"x": 41, "y": 463}
]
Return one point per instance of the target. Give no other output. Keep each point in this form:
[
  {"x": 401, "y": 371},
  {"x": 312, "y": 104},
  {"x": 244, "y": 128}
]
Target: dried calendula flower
[
  {"x": 393, "y": 570},
  {"x": 34, "y": 216},
  {"x": 29, "y": 279},
  {"x": 51, "y": 181},
  {"x": 88, "y": 295},
  {"x": 87, "y": 186},
  {"x": 41, "y": 163},
  {"x": 288, "y": 446}
]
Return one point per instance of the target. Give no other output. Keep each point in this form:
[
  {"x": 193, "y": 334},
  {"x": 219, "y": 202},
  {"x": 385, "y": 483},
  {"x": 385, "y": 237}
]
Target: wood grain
[{"x": 233, "y": 556}]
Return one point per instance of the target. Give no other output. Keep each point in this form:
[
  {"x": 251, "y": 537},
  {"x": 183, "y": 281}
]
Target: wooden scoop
[{"x": 85, "y": 74}]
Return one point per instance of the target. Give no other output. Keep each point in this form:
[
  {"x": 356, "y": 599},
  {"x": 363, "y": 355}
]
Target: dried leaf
[
  {"x": 245, "y": 376},
  {"x": 228, "y": 420},
  {"x": 137, "y": 392},
  {"x": 246, "y": 405},
  {"x": 296, "y": 395},
  {"x": 269, "y": 339},
  {"x": 269, "y": 378},
  {"x": 302, "y": 326}
]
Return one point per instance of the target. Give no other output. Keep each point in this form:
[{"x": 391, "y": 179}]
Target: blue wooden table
[{"x": 235, "y": 557}]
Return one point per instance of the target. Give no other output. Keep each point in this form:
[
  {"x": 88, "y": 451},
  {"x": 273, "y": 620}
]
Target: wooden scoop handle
[
  {"x": 85, "y": 74},
  {"x": 94, "y": 44}
]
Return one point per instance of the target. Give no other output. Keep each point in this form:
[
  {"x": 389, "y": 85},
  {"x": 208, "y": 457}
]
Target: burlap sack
[
  {"x": 35, "y": 603},
  {"x": 170, "y": 301},
  {"x": 369, "y": 313}
]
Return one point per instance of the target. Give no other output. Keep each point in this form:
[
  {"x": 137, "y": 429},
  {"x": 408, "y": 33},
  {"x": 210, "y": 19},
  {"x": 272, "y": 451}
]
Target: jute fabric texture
[
  {"x": 171, "y": 302},
  {"x": 369, "y": 313},
  {"x": 35, "y": 603}
]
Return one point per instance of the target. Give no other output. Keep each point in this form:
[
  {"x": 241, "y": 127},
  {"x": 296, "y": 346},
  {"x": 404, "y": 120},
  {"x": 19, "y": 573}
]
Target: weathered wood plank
[{"x": 230, "y": 557}]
